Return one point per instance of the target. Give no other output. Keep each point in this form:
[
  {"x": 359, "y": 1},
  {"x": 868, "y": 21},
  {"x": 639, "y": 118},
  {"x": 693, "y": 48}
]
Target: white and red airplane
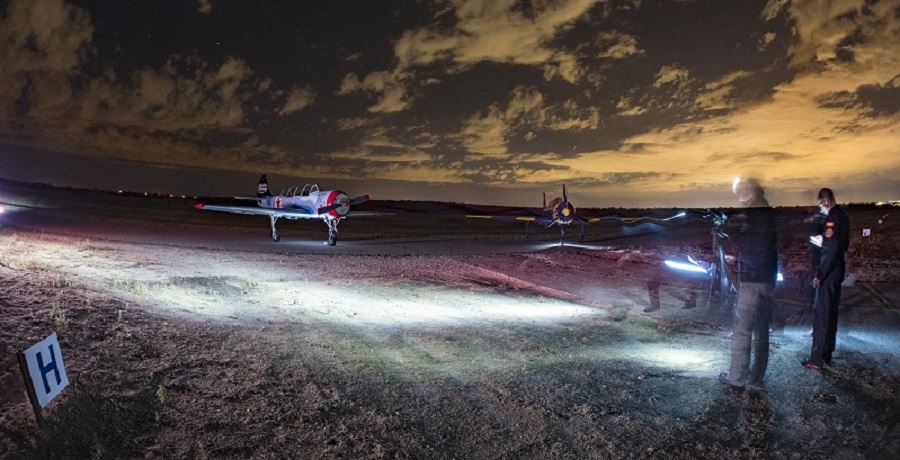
[{"x": 306, "y": 202}]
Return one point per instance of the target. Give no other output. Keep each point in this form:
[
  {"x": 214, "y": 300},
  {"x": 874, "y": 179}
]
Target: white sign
[{"x": 45, "y": 366}]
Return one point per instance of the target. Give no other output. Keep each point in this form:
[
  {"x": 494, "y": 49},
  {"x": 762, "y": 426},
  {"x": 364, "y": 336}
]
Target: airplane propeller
[{"x": 353, "y": 202}]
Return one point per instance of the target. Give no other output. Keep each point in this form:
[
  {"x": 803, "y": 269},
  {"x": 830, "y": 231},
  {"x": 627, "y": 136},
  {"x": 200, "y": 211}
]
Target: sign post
[{"x": 44, "y": 373}]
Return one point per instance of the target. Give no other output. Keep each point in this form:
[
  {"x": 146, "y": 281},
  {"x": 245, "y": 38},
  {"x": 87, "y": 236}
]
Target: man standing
[
  {"x": 757, "y": 271},
  {"x": 829, "y": 276}
]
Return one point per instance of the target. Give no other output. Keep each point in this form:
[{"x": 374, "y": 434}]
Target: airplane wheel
[
  {"x": 276, "y": 237},
  {"x": 332, "y": 239}
]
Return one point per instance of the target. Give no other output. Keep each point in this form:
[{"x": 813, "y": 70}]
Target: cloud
[
  {"x": 509, "y": 93},
  {"x": 766, "y": 157},
  {"x": 492, "y": 30},
  {"x": 672, "y": 88},
  {"x": 483, "y": 31},
  {"x": 874, "y": 100},
  {"x": 790, "y": 137},
  {"x": 164, "y": 114},
  {"x": 671, "y": 74},
  {"x": 389, "y": 88},
  {"x": 42, "y": 46},
  {"x": 298, "y": 99},
  {"x": 184, "y": 94},
  {"x": 622, "y": 178},
  {"x": 487, "y": 134},
  {"x": 505, "y": 174},
  {"x": 718, "y": 94},
  {"x": 347, "y": 124},
  {"x": 839, "y": 103},
  {"x": 617, "y": 45},
  {"x": 574, "y": 118},
  {"x": 205, "y": 6},
  {"x": 844, "y": 32}
]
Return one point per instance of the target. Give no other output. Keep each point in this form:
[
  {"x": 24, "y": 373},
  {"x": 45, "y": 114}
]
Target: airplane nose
[{"x": 343, "y": 202}]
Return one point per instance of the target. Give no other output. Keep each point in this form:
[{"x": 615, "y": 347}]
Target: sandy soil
[{"x": 207, "y": 340}]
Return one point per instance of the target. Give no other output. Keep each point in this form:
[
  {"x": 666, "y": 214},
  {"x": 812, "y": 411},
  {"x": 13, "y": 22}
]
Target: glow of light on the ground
[
  {"x": 685, "y": 266},
  {"x": 692, "y": 358},
  {"x": 372, "y": 305},
  {"x": 881, "y": 341}
]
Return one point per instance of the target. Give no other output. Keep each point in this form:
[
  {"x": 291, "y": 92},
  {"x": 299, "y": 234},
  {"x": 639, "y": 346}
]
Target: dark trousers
[
  {"x": 826, "y": 318},
  {"x": 751, "y": 333}
]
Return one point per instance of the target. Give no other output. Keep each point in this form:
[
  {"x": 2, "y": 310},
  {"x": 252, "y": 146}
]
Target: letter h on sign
[{"x": 45, "y": 367}]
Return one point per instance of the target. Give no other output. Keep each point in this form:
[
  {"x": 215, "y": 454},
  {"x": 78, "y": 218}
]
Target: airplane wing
[
  {"x": 538, "y": 219},
  {"x": 616, "y": 219},
  {"x": 632, "y": 220},
  {"x": 286, "y": 213}
]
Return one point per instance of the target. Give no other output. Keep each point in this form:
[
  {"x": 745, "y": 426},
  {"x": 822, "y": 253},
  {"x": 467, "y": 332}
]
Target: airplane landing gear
[
  {"x": 332, "y": 231},
  {"x": 275, "y": 235}
]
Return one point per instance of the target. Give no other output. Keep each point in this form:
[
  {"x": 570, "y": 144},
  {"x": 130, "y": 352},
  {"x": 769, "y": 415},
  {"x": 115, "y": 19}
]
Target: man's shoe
[
  {"x": 723, "y": 377},
  {"x": 810, "y": 365}
]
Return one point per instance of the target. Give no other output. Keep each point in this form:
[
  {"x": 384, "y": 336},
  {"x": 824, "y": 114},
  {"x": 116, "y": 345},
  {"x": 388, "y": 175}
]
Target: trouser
[
  {"x": 825, "y": 319},
  {"x": 752, "y": 315}
]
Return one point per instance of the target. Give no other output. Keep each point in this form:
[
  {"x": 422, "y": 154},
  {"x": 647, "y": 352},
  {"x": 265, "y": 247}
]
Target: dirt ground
[{"x": 178, "y": 348}]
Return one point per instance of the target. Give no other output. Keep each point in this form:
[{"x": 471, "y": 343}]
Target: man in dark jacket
[
  {"x": 835, "y": 241},
  {"x": 753, "y": 229}
]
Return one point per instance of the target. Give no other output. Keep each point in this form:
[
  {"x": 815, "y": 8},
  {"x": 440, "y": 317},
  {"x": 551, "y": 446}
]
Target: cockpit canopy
[{"x": 306, "y": 190}]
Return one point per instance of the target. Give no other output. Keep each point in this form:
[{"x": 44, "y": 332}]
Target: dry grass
[{"x": 178, "y": 352}]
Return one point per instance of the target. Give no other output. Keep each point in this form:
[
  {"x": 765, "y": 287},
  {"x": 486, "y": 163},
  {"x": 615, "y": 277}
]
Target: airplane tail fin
[
  {"x": 545, "y": 199},
  {"x": 565, "y": 194},
  {"x": 262, "y": 189}
]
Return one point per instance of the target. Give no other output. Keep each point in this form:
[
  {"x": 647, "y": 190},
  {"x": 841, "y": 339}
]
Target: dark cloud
[
  {"x": 749, "y": 157},
  {"x": 875, "y": 100},
  {"x": 503, "y": 173}
]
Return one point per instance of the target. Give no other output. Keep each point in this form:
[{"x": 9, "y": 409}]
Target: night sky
[{"x": 641, "y": 103}]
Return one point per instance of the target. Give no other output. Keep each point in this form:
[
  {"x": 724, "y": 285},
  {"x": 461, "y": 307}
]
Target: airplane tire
[
  {"x": 276, "y": 237},
  {"x": 332, "y": 239}
]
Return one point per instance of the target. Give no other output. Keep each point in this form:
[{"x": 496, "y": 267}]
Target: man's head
[
  {"x": 746, "y": 188},
  {"x": 826, "y": 200}
]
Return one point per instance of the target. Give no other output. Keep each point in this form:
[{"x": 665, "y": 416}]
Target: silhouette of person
[
  {"x": 753, "y": 230},
  {"x": 835, "y": 240}
]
